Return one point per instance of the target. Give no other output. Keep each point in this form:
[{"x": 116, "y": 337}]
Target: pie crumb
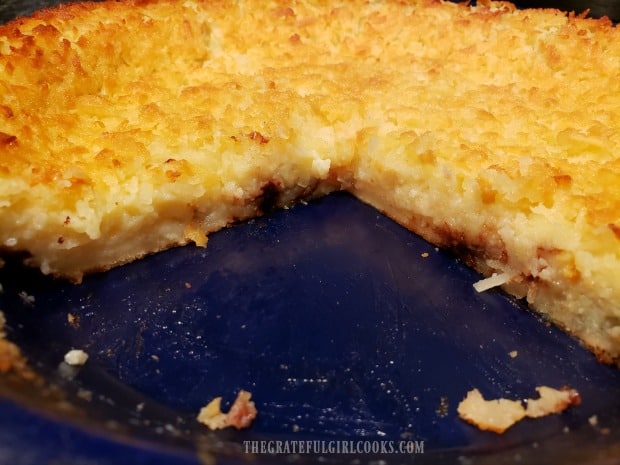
[
  {"x": 11, "y": 358},
  {"x": 76, "y": 357},
  {"x": 495, "y": 415},
  {"x": 241, "y": 413},
  {"x": 73, "y": 320},
  {"x": 498, "y": 415},
  {"x": 551, "y": 401}
]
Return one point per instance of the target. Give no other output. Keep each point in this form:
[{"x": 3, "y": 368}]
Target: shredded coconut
[{"x": 492, "y": 281}]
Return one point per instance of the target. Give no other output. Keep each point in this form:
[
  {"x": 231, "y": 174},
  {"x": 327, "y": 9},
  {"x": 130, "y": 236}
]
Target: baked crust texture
[{"x": 130, "y": 127}]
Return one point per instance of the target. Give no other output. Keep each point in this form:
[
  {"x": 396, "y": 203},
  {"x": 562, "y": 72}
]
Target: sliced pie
[{"x": 130, "y": 127}]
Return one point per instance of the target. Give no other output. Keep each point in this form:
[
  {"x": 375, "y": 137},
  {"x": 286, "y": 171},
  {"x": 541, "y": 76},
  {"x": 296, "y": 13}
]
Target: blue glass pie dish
[{"x": 343, "y": 325}]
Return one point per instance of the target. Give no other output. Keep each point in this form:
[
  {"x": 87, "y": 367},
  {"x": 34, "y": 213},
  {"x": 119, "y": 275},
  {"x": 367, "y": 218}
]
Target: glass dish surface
[{"x": 342, "y": 324}]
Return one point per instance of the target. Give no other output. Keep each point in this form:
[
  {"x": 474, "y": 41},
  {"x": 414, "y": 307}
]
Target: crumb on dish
[
  {"x": 241, "y": 413},
  {"x": 498, "y": 415},
  {"x": 76, "y": 357}
]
